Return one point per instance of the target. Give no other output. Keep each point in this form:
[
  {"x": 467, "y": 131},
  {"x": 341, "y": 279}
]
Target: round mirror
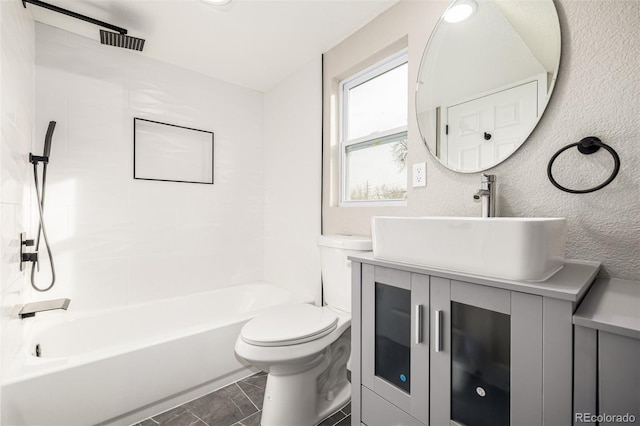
[{"x": 485, "y": 79}]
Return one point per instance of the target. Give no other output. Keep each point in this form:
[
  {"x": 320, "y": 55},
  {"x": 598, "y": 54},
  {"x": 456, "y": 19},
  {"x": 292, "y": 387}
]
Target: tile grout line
[
  {"x": 199, "y": 419},
  {"x": 196, "y": 416},
  {"x": 245, "y": 418},
  {"x": 342, "y": 419},
  {"x": 237, "y": 406},
  {"x": 250, "y": 400}
]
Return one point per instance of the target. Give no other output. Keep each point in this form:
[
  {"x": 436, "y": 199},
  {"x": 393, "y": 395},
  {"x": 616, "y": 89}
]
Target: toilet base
[{"x": 305, "y": 398}]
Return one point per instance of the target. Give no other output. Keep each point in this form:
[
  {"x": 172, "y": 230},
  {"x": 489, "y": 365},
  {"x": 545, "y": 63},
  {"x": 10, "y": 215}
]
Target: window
[{"x": 374, "y": 133}]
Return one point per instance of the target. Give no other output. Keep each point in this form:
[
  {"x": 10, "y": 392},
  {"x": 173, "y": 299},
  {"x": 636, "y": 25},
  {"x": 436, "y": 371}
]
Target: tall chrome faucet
[{"x": 487, "y": 195}]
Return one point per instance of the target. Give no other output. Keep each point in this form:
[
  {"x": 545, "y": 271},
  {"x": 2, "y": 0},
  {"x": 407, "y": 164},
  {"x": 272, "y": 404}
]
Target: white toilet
[{"x": 305, "y": 348}]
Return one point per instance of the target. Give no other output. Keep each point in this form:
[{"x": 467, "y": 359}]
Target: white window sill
[{"x": 381, "y": 203}]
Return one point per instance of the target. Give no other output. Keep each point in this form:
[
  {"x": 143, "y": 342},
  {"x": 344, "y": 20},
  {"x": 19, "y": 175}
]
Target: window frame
[{"x": 379, "y": 68}]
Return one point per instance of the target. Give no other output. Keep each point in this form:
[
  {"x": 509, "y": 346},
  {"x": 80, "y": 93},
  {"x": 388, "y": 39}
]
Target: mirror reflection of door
[
  {"x": 483, "y": 131},
  {"x": 501, "y": 45}
]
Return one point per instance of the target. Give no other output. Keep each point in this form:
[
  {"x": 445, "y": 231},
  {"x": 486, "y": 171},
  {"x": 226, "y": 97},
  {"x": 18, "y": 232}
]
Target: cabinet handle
[
  {"x": 438, "y": 331},
  {"x": 418, "y": 327}
]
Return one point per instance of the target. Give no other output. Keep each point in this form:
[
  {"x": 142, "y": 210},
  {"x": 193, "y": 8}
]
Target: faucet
[
  {"x": 487, "y": 195},
  {"x": 30, "y": 309}
]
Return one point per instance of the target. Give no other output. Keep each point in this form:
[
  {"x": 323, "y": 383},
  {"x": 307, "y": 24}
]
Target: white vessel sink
[{"x": 514, "y": 248}]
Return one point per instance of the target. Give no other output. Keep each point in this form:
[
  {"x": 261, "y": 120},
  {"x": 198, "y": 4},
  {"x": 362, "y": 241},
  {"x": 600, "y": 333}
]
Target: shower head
[
  {"x": 118, "y": 39},
  {"x": 47, "y": 139},
  {"x": 121, "y": 40}
]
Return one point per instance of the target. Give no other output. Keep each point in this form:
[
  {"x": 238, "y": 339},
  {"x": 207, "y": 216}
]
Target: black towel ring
[{"x": 587, "y": 146}]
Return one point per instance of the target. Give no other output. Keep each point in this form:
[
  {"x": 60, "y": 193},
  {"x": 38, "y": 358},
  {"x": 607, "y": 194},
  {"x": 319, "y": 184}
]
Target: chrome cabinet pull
[
  {"x": 418, "y": 328},
  {"x": 438, "y": 331}
]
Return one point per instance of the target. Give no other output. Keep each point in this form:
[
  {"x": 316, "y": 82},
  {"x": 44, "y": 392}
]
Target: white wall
[
  {"x": 293, "y": 140},
  {"x": 17, "y": 44},
  {"x": 595, "y": 94},
  {"x": 117, "y": 240}
]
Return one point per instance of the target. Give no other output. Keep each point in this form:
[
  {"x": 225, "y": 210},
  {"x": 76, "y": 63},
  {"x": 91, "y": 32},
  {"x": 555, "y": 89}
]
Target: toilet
[{"x": 305, "y": 348}]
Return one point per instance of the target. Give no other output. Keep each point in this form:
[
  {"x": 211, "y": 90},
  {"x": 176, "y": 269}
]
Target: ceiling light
[{"x": 460, "y": 11}]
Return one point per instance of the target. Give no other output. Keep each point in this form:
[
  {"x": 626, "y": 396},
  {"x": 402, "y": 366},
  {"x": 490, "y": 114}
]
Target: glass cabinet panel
[
  {"x": 393, "y": 335},
  {"x": 480, "y": 366},
  {"x": 395, "y": 338}
]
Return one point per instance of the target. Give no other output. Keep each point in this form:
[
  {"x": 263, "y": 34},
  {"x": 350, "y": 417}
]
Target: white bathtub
[{"x": 117, "y": 366}]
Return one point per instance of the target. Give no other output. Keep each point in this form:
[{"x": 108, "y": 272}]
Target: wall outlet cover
[{"x": 419, "y": 174}]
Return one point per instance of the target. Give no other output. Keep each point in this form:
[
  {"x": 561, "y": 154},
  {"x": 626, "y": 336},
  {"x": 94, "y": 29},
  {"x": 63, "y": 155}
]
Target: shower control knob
[{"x": 29, "y": 257}]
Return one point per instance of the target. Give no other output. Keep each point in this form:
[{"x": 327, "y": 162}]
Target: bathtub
[{"x": 122, "y": 365}]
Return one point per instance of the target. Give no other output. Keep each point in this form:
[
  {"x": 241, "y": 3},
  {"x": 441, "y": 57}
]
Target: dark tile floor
[{"x": 239, "y": 404}]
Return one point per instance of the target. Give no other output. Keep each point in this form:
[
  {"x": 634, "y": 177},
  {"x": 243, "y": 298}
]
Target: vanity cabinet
[
  {"x": 437, "y": 348},
  {"x": 395, "y": 340},
  {"x": 607, "y": 354},
  {"x": 486, "y": 357}
]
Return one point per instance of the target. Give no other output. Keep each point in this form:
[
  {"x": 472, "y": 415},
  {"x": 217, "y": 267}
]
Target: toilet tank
[{"x": 336, "y": 268}]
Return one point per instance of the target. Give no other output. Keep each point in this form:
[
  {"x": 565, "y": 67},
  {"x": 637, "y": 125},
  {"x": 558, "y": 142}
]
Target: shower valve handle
[{"x": 30, "y": 257}]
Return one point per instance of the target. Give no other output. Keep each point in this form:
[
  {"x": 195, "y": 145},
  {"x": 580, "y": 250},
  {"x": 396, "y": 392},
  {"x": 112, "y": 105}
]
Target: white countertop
[{"x": 570, "y": 283}]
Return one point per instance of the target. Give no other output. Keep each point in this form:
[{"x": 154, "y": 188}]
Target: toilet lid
[{"x": 289, "y": 326}]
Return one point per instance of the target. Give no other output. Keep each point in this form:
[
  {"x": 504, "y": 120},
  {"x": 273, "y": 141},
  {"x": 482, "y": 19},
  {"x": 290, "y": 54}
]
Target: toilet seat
[{"x": 291, "y": 325}]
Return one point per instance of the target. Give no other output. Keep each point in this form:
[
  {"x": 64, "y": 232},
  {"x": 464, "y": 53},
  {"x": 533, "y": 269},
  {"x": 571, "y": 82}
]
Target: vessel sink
[{"x": 513, "y": 248}]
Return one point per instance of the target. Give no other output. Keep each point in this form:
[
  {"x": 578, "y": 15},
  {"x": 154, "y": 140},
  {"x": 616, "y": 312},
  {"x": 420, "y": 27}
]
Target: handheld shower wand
[
  {"x": 35, "y": 160},
  {"x": 47, "y": 139}
]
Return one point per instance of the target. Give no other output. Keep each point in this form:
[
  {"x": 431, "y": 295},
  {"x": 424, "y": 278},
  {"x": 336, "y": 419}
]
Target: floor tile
[
  {"x": 333, "y": 419},
  {"x": 254, "y": 387},
  {"x": 169, "y": 415},
  {"x": 253, "y": 420},
  {"x": 238, "y": 404},
  {"x": 147, "y": 422},
  {"x": 185, "y": 419},
  {"x": 223, "y": 407},
  {"x": 345, "y": 422}
]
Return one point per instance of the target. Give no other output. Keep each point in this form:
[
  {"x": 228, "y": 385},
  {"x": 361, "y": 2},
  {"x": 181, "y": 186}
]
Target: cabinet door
[
  {"x": 486, "y": 355},
  {"x": 395, "y": 338},
  {"x": 619, "y": 377}
]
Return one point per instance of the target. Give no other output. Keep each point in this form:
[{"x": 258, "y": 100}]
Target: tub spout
[{"x": 30, "y": 309}]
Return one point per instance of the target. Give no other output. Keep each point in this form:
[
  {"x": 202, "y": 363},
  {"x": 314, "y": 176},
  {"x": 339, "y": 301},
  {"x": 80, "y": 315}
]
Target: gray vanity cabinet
[
  {"x": 471, "y": 353},
  {"x": 607, "y": 354},
  {"x": 431, "y": 347},
  {"x": 395, "y": 342},
  {"x": 486, "y": 355}
]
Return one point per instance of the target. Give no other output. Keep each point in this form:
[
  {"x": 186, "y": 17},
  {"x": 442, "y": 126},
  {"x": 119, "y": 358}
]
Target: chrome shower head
[{"x": 121, "y": 40}]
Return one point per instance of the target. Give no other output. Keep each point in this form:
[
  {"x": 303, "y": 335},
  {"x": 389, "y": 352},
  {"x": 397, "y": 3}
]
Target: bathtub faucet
[{"x": 30, "y": 309}]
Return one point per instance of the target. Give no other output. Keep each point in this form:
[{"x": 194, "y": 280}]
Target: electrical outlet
[{"x": 419, "y": 174}]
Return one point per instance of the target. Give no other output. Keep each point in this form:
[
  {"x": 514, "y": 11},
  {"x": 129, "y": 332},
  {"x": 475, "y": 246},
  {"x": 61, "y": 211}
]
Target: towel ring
[{"x": 587, "y": 146}]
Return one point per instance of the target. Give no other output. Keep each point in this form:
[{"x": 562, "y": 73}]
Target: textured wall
[
  {"x": 17, "y": 44},
  {"x": 596, "y": 94}
]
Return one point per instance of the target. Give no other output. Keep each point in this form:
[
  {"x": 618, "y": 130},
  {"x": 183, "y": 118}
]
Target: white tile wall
[
  {"x": 17, "y": 46},
  {"x": 293, "y": 130},
  {"x": 118, "y": 240}
]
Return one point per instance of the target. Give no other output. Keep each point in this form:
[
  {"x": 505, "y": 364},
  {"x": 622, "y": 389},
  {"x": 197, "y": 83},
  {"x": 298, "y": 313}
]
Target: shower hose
[{"x": 41, "y": 228}]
